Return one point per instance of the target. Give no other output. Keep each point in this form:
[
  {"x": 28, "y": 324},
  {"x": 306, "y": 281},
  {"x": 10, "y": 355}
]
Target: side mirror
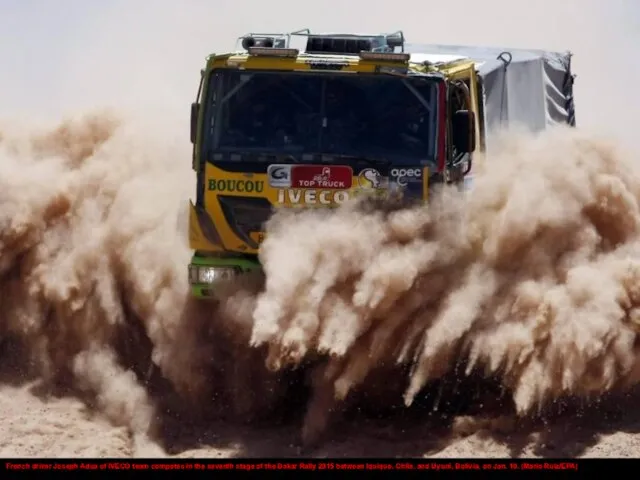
[
  {"x": 464, "y": 131},
  {"x": 195, "y": 109}
]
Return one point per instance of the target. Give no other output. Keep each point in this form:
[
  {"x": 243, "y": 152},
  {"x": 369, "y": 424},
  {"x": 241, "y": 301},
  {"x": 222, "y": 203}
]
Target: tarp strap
[
  {"x": 506, "y": 58},
  {"x": 568, "y": 95}
]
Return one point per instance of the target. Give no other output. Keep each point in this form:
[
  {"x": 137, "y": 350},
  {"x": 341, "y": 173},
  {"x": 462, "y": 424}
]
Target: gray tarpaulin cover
[{"x": 530, "y": 88}]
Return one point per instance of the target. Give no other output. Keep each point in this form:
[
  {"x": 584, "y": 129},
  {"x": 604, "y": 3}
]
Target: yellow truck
[{"x": 312, "y": 120}]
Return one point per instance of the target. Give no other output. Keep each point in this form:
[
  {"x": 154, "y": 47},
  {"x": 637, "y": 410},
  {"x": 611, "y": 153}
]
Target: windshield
[{"x": 378, "y": 116}]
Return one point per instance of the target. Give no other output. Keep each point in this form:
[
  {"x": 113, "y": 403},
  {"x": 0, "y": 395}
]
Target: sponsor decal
[
  {"x": 370, "y": 178},
  {"x": 404, "y": 175},
  {"x": 279, "y": 175},
  {"x": 240, "y": 186},
  {"x": 319, "y": 176},
  {"x": 312, "y": 197}
]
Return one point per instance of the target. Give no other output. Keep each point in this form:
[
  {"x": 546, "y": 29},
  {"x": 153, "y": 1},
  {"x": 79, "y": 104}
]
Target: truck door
[{"x": 465, "y": 73}]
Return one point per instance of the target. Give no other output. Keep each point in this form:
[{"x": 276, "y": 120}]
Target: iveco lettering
[
  {"x": 310, "y": 120},
  {"x": 312, "y": 197}
]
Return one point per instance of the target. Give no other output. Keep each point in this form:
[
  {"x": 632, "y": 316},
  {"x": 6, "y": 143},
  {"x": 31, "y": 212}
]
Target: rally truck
[{"x": 306, "y": 120}]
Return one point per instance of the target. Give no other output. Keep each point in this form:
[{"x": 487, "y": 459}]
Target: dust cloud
[
  {"x": 529, "y": 283},
  {"x": 94, "y": 296},
  {"x": 531, "y": 278}
]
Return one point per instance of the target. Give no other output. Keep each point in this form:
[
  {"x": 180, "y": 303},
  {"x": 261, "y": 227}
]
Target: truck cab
[{"x": 302, "y": 120}]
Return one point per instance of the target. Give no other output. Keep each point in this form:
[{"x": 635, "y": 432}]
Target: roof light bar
[
  {"x": 389, "y": 57},
  {"x": 273, "y": 52},
  {"x": 340, "y": 44},
  {"x": 263, "y": 41}
]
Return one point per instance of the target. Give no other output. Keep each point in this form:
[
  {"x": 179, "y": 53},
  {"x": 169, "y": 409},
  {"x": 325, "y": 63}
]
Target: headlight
[{"x": 212, "y": 274}]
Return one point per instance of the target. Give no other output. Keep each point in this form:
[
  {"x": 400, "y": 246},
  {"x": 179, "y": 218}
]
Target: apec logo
[
  {"x": 402, "y": 176},
  {"x": 279, "y": 175}
]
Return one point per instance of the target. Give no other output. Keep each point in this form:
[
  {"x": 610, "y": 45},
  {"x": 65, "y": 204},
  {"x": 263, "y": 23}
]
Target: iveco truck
[{"x": 304, "y": 120}]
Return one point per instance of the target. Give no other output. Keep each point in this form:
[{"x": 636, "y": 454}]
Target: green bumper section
[{"x": 239, "y": 266}]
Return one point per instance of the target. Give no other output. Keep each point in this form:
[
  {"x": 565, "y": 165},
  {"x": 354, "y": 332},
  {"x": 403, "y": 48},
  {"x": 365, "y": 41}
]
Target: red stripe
[{"x": 442, "y": 125}]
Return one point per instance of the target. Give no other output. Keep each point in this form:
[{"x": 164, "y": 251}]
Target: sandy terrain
[
  {"x": 33, "y": 425},
  {"x": 93, "y": 290},
  {"x": 92, "y": 267}
]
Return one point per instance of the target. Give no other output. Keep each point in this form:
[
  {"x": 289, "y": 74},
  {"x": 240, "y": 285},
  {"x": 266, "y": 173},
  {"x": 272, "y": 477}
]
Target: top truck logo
[
  {"x": 329, "y": 177},
  {"x": 326, "y": 177}
]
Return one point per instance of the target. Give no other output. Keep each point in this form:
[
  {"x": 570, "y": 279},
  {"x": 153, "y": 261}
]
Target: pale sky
[{"x": 73, "y": 55}]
